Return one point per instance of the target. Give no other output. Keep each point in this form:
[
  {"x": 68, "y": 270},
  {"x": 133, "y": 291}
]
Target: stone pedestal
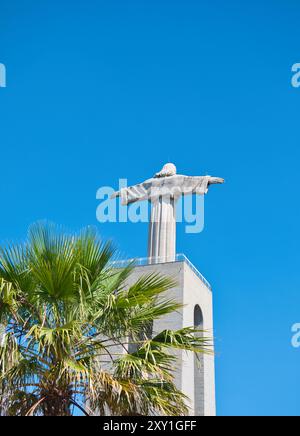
[{"x": 196, "y": 379}]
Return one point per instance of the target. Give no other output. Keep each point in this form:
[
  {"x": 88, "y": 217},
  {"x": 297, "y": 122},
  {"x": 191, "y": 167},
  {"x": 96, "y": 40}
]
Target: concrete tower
[{"x": 193, "y": 376}]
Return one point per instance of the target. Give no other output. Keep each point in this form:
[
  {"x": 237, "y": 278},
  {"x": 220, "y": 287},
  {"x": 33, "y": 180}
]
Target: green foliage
[{"x": 66, "y": 317}]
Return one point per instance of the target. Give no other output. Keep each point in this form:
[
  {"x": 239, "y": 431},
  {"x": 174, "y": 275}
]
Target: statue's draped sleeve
[
  {"x": 135, "y": 193},
  {"x": 195, "y": 185}
]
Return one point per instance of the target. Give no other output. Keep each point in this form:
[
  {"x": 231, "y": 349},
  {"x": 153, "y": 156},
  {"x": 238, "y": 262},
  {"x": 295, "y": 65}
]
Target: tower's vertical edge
[{"x": 198, "y": 375}]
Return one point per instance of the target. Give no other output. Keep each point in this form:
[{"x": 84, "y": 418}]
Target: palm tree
[{"x": 69, "y": 318}]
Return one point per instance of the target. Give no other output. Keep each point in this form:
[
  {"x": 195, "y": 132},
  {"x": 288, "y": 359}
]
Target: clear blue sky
[{"x": 97, "y": 90}]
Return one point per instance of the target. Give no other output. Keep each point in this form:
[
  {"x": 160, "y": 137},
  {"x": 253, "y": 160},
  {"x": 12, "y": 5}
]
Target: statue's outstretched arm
[
  {"x": 128, "y": 200},
  {"x": 132, "y": 194}
]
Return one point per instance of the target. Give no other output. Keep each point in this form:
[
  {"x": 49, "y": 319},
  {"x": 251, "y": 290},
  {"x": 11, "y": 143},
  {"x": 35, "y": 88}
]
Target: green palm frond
[{"x": 189, "y": 339}]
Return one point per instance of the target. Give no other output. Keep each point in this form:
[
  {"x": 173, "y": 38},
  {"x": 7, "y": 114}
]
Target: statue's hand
[
  {"x": 215, "y": 180},
  {"x": 116, "y": 194}
]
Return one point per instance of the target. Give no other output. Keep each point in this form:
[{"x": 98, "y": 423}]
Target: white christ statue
[{"x": 163, "y": 190}]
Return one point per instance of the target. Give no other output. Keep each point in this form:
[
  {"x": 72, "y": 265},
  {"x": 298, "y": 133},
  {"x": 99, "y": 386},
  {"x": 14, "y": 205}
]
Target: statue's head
[{"x": 169, "y": 169}]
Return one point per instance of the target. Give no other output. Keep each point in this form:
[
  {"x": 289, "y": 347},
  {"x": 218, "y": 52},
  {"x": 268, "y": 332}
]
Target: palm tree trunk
[{"x": 57, "y": 404}]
